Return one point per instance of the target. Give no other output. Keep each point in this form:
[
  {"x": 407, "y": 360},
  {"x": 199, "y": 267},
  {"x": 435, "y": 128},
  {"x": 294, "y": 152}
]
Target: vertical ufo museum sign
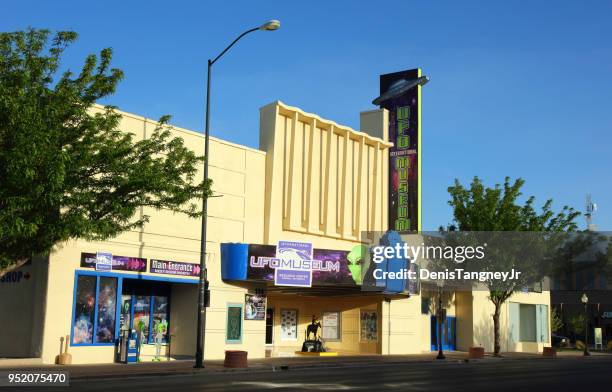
[{"x": 400, "y": 94}]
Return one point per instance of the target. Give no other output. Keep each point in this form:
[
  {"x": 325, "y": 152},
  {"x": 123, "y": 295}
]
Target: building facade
[{"x": 313, "y": 182}]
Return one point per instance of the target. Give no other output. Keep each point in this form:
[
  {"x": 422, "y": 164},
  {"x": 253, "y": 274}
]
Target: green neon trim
[{"x": 419, "y": 144}]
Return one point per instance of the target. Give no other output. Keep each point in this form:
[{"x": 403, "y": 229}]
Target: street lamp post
[
  {"x": 585, "y": 301},
  {"x": 440, "y": 320},
  {"x": 199, "y": 356}
]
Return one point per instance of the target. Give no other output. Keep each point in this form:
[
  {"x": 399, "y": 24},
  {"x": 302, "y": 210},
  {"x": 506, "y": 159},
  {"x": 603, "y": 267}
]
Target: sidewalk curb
[{"x": 262, "y": 367}]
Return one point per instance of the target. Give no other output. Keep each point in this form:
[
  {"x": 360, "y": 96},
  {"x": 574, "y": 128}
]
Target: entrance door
[
  {"x": 448, "y": 334},
  {"x": 269, "y": 325}
]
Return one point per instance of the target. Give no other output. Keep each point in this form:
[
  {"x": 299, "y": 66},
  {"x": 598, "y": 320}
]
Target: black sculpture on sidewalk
[{"x": 315, "y": 344}]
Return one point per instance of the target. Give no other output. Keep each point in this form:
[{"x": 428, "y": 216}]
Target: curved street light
[{"x": 199, "y": 360}]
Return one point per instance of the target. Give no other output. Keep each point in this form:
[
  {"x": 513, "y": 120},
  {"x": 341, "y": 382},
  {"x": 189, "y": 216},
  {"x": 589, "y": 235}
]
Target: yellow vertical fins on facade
[{"x": 345, "y": 167}]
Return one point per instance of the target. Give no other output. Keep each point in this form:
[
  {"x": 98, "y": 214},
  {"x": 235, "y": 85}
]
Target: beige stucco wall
[
  {"x": 22, "y": 295},
  {"x": 350, "y": 310},
  {"x": 235, "y": 215},
  {"x": 316, "y": 181},
  {"x": 323, "y": 179},
  {"x": 482, "y": 311},
  {"x": 404, "y": 329}
]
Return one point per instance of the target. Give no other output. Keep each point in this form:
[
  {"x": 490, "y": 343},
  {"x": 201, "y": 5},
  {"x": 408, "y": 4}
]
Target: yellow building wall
[
  {"x": 404, "y": 329},
  {"x": 483, "y": 310},
  {"x": 317, "y": 181},
  {"x": 350, "y": 311},
  {"x": 22, "y": 295},
  {"x": 235, "y": 215},
  {"x": 325, "y": 182},
  {"x": 465, "y": 320}
]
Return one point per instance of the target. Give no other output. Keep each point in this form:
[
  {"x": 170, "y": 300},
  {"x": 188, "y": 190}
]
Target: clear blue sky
[{"x": 518, "y": 88}]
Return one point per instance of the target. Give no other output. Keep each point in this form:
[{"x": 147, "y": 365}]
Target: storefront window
[
  {"x": 142, "y": 309},
  {"x": 84, "y": 307},
  {"x": 289, "y": 324},
  {"x": 331, "y": 326},
  {"x": 160, "y": 319},
  {"x": 107, "y": 306},
  {"x": 369, "y": 326}
]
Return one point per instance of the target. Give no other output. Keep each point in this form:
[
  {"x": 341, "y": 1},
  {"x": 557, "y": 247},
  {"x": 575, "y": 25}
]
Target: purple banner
[
  {"x": 120, "y": 263},
  {"x": 328, "y": 266},
  {"x": 176, "y": 268},
  {"x": 403, "y": 156}
]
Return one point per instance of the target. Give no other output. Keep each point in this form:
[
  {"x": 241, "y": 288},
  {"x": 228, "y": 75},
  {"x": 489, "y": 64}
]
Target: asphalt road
[{"x": 580, "y": 374}]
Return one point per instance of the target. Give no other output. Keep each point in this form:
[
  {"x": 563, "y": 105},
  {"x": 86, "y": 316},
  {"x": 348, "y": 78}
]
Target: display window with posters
[
  {"x": 107, "y": 304},
  {"x": 288, "y": 324},
  {"x": 146, "y": 309},
  {"x": 368, "y": 322},
  {"x": 330, "y": 323},
  {"x": 94, "y": 313}
]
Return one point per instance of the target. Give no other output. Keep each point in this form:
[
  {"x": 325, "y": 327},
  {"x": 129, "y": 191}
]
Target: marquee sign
[
  {"x": 400, "y": 94},
  {"x": 325, "y": 266},
  {"x": 291, "y": 263}
]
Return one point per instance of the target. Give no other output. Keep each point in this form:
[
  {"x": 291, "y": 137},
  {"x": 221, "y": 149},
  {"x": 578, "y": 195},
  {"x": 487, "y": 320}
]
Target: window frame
[
  {"x": 151, "y": 339},
  {"x": 96, "y": 275},
  {"x": 97, "y": 307},
  {"x": 234, "y": 305},
  {"x": 297, "y": 325},
  {"x": 361, "y": 312},
  {"x": 523, "y": 338},
  {"x": 120, "y": 278},
  {"x": 339, "y": 327}
]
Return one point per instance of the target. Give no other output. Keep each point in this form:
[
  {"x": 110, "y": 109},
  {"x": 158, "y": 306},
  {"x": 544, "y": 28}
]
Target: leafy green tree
[
  {"x": 66, "y": 169},
  {"x": 556, "y": 323},
  {"x": 576, "y": 323},
  {"x": 484, "y": 209}
]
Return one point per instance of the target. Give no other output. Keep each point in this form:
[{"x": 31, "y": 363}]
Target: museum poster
[
  {"x": 403, "y": 156},
  {"x": 254, "y": 307},
  {"x": 288, "y": 324},
  {"x": 369, "y": 325},
  {"x": 295, "y": 264},
  {"x": 331, "y": 326}
]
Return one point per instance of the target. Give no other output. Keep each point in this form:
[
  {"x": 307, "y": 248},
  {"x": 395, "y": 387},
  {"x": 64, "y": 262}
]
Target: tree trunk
[
  {"x": 496, "y": 345},
  {"x": 12, "y": 266}
]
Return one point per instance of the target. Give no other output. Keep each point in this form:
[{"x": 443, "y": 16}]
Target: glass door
[
  {"x": 269, "y": 325},
  {"x": 125, "y": 320}
]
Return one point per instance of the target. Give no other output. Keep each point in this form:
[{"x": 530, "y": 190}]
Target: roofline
[
  {"x": 183, "y": 130},
  {"x": 328, "y": 122}
]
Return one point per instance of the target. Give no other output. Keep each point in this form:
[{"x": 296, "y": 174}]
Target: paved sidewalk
[{"x": 179, "y": 367}]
